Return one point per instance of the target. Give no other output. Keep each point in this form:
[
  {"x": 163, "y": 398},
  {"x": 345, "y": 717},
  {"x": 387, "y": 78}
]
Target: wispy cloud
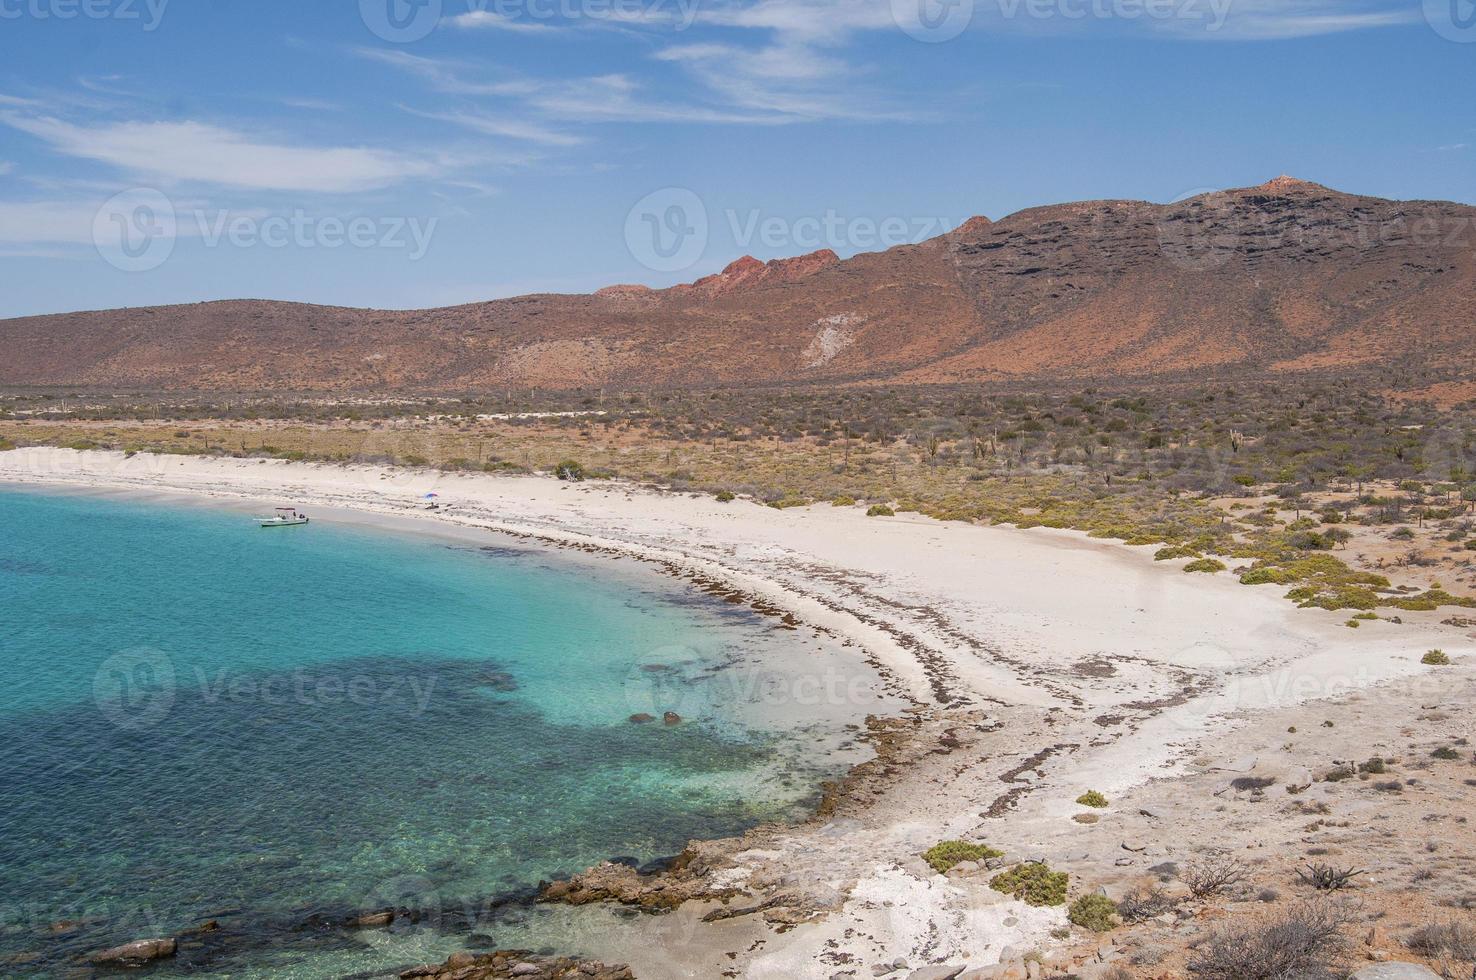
[
  {"x": 608, "y": 98},
  {"x": 209, "y": 154},
  {"x": 1278, "y": 20},
  {"x": 46, "y": 222},
  {"x": 486, "y": 20},
  {"x": 490, "y": 125},
  {"x": 312, "y": 105}
]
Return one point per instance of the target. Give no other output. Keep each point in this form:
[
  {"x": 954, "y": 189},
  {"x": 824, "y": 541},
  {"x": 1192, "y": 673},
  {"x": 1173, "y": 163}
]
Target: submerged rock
[
  {"x": 372, "y": 920},
  {"x": 642, "y": 719},
  {"x": 672, "y": 718},
  {"x": 515, "y": 963},
  {"x": 139, "y": 951}
]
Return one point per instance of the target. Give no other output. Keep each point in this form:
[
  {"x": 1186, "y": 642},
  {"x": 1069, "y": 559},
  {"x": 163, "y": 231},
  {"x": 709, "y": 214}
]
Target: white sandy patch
[{"x": 1090, "y": 665}]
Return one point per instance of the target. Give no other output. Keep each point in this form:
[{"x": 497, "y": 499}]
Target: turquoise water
[{"x": 280, "y": 728}]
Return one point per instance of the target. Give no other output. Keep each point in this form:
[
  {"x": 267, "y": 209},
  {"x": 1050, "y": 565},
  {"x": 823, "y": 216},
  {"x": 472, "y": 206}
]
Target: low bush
[
  {"x": 1034, "y": 884},
  {"x": 945, "y": 854},
  {"x": 1174, "y": 551},
  {"x": 569, "y": 470},
  {"x": 1095, "y": 912},
  {"x": 880, "y": 510},
  {"x": 1093, "y": 799},
  {"x": 1436, "y": 658},
  {"x": 725, "y": 496},
  {"x": 843, "y": 501},
  {"x": 1453, "y": 940},
  {"x": 1445, "y": 754},
  {"x": 1213, "y": 875},
  {"x": 1205, "y": 565},
  {"x": 1145, "y": 903},
  {"x": 1305, "y": 942}
]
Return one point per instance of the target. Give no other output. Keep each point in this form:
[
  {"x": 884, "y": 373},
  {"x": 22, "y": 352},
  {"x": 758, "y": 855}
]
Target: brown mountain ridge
[{"x": 1277, "y": 279}]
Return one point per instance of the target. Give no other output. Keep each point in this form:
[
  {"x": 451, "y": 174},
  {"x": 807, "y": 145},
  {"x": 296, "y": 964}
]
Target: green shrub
[
  {"x": 1445, "y": 754},
  {"x": 1095, "y": 912},
  {"x": 843, "y": 501},
  {"x": 1092, "y": 798},
  {"x": 569, "y": 470},
  {"x": 945, "y": 854},
  {"x": 879, "y": 510},
  {"x": 1175, "y": 551},
  {"x": 1352, "y": 624},
  {"x": 724, "y": 496},
  {"x": 1205, "y": 565},
  {"x": 1436, "y": 658},
  {"x": 1034, "y": 884},
  {"x": 6, "y": 445}
]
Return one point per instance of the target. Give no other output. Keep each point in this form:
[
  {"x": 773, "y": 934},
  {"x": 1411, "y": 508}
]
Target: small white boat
[{"x": 284, "y": 517}]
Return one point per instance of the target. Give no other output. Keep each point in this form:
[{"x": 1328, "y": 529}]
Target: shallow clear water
[{"x": 278, "y": 728}]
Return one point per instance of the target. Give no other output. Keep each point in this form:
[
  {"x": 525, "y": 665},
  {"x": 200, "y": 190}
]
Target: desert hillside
[{"x": 1281, "y": 278}]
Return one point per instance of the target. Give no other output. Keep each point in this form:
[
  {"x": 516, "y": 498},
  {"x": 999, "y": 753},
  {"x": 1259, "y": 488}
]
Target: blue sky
[{"x": 393, "y": 153}]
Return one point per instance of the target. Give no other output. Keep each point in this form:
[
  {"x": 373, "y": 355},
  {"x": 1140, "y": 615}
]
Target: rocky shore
[{"x": 1044, "y": 667}]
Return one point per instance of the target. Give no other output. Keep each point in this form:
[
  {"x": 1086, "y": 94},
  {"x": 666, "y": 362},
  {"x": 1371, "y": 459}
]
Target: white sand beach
[{"x": 1049, "y": 662}]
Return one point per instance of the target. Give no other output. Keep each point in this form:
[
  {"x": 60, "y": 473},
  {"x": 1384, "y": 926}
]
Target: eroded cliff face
[{"x": 1287, "y": 276}]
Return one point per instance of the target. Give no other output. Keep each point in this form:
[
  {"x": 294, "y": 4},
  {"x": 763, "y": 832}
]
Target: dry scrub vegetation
[{"x": 1346, "y": 500}]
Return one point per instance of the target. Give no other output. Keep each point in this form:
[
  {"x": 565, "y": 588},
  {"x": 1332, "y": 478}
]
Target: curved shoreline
[{"x": 1040, "y": 664}]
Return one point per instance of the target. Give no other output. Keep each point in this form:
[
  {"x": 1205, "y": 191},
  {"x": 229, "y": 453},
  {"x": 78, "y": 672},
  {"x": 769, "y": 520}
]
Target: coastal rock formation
[
  {"x": 139, "y": 951},
  {"x": 516, "y": 963}
]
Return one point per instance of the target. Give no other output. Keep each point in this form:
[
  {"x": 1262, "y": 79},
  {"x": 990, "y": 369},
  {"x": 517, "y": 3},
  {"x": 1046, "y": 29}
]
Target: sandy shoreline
[{"x": 1052, "y": 662}]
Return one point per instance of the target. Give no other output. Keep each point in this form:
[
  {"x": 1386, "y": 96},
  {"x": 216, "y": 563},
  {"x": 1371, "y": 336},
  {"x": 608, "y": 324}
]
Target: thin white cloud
[
  {"x": 46, "y": 222},
  {"x": 6, "y": 167},
  {"x": 604, "y": 98},
  {"x": 312, "y": 105},
  {"x": 1279, "y": 20},
  {"x": 192, "y": 151},
  {"x": 489, "y": 125},
  {"x": 484, "y": 20}
]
